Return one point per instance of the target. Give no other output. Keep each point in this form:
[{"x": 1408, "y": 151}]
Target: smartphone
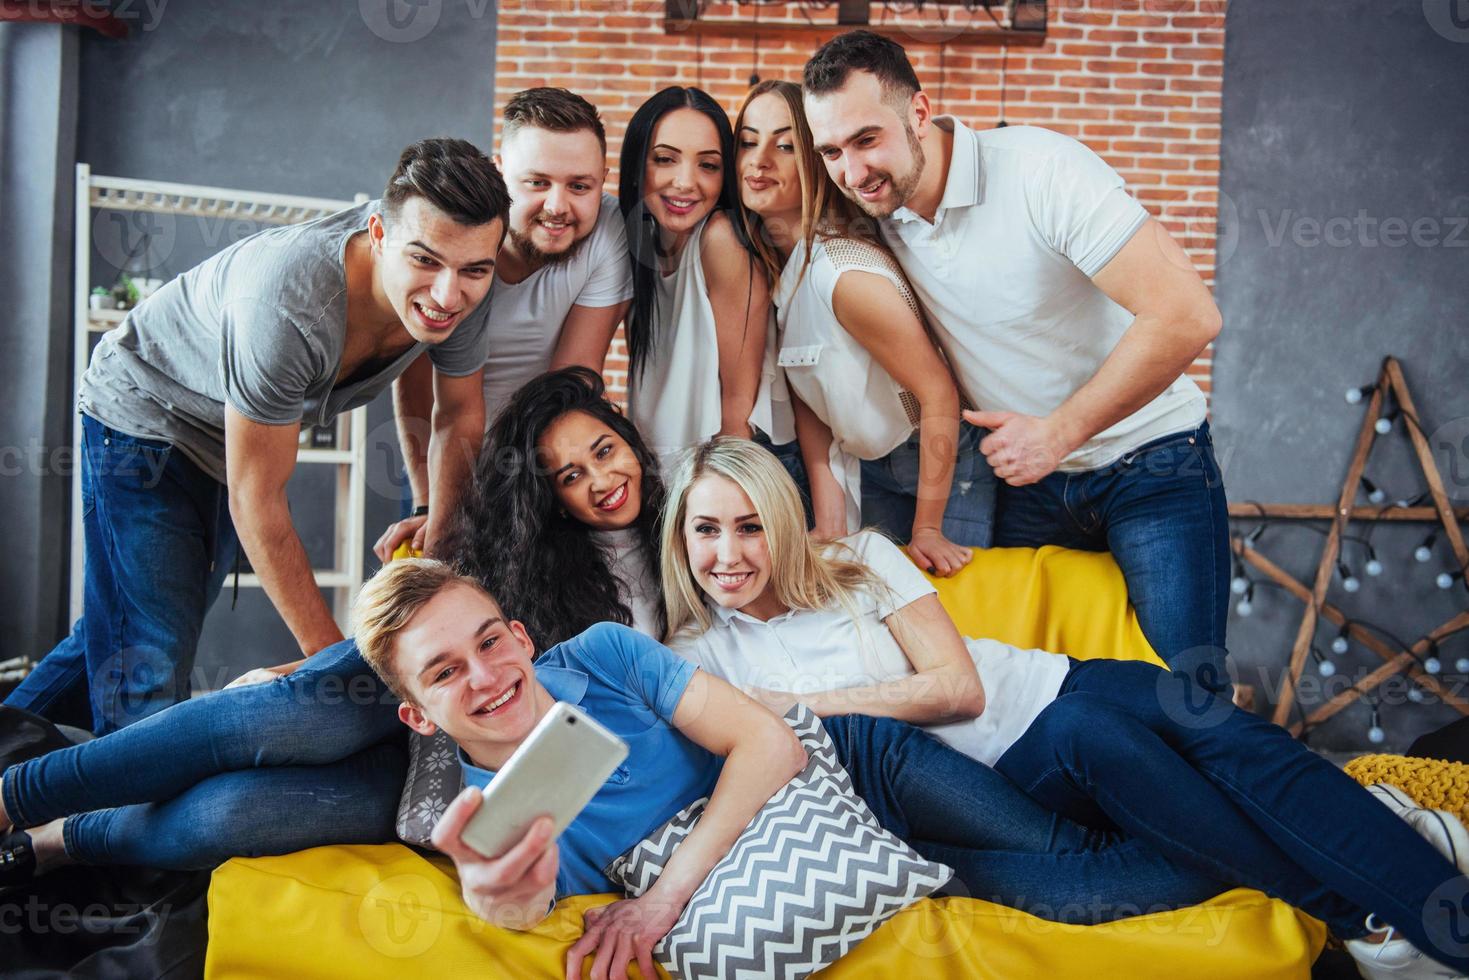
[{"x": 556, "y": 771}]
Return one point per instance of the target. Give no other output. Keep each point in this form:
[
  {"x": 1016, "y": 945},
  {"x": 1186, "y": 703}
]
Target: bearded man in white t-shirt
[
  {"x": 562, "y": 278},
  {"x": 1070, "y": 316}
]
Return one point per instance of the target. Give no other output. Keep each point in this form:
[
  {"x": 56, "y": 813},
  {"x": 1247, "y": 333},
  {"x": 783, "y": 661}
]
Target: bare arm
[
  {"x": 259, "y": 460},
  {"x": 945, "y": 688},
  {"x": 586, "y": 333},
  {"x": 1175, "y": 319},
  {"x": 413, "y": 405},
  {"x": 870, "y": 308},
  {"x": 828, "y": 498},
  {"x": 740, "y": 297},
  {"x": 458, "y": 433},
  {"x": 761, "y": 754}
]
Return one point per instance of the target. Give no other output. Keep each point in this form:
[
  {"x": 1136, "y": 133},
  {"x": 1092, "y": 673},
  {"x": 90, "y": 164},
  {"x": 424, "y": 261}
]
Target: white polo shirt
[
  {"x": 1027, "y": 217},
  {"x": 820, "y": 650},
  {"x": 526, "y": 316}
]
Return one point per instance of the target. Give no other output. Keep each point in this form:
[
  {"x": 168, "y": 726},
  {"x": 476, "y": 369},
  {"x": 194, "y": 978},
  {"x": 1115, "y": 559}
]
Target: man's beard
[
  {"x": 900, "y": 187},
  {"x": 535, "y": 256}
]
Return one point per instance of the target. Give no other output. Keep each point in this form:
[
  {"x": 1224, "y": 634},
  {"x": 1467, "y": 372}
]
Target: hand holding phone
[{"x": 512, "y": 890}]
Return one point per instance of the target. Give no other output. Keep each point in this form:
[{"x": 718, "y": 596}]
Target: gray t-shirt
[{"x": 262, "y": 326}]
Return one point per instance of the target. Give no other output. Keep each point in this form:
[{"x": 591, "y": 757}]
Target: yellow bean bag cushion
[
  {"x": 1434, "y": 783},
  {"x": 388, "y": 911}
]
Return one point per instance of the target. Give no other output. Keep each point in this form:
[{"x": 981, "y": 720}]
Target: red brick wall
[{"x": 1136, "y": 80}]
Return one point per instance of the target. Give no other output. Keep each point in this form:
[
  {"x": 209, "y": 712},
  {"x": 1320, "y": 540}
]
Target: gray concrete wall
[
  {"x": 38, "y": 104},
  {"x": 1344, "y": 239}
]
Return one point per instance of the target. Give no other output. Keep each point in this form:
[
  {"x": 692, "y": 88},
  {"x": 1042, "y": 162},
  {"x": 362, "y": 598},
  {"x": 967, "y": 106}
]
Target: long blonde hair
[
  {"x": 824, "y": 210},
  {"x": 805, "y": 574}
]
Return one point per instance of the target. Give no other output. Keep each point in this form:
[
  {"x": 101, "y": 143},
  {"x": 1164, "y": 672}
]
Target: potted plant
[{"x": 101, "y": 299}]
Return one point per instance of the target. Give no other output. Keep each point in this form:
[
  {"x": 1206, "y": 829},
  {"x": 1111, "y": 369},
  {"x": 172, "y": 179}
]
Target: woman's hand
[
  {"x": 620, "y": 933},
  {"x": 936, "y": 554},
  {"x": 411, "y": 529},
  {"x": 263, "y": 675}
]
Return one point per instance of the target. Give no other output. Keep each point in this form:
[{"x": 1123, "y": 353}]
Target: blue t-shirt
[{"x": 631, "y": 684}]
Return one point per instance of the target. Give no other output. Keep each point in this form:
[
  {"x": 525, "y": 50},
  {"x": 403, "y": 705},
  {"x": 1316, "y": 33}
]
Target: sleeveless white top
[
  {"x": 869, "y": 413},
  {"x": 675, "y": 402}
]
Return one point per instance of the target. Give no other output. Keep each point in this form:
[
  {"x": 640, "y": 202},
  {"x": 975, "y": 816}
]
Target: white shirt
[
  {"x": 833, "y": 374},
  {"x": 640, "y": 589},
  {"x": 815, "y": 650},
  {"x": 675, "y": 400},
  {"x": 526, "y": 316},
  {"x": 1028, "y": 216}
]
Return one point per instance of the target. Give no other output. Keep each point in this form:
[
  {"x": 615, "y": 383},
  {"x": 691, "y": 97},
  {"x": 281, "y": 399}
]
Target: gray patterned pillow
[
  {"x": 434, "y": 779},
  {"x": 812, "y": 876}
]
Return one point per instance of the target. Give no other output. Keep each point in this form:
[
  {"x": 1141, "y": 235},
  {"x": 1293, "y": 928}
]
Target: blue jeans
[
  {"x": 890, "y": 492},
  {"x": 1161, "y": 511},
  {"x": 159, "y": 543},
  {"x": 315, "y": 757},
  {"x": 1002, "y": 845},
  {"x": 1231, "y": 796}
]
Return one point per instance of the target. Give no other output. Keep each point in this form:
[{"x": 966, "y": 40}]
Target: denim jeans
[
  {"x": 1161, "y": 511},
  {"x": 890, "y": 492},
  {"x": 315, "y": 757},
  {"x": 1231, "y": 796},
  {"x": 1002, "y": 845},
  {"x": 159, "y": 543}
]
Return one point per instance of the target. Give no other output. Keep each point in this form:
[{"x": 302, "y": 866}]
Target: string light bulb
[
  {"x": 1246, "y": 605},
  {"x": 1446, "y": 580},
  {"x": 1383, "y": 425},
  {"x": 1461, "y": 666},
  {"x": 1375, "y": 734},
  {"x": 1355, "y": 395},
  {"x": 1424, "y": 552},
  {"x": 1324, "y": 667},
  {"x": 1339, "y": 643},
  {"x": 1375, "y": 494},
  {"x": 1349, "y": 581}
]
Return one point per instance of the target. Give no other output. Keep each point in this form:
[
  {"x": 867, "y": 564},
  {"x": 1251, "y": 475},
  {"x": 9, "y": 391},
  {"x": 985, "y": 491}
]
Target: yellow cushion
[
  {"x": 1071, "y": 602},
  {"x": 387, "y": 911},
  {"x": 1435, "y": 783}
]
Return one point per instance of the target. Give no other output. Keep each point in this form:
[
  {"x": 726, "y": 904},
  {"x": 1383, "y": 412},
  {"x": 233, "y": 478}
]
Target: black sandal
[{"x": 17, "y": 859}]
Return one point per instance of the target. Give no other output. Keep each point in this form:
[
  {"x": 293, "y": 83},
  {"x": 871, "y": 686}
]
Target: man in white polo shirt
[
  {"x": 1070, "y": 316},
  {"x": 562, "y": 279}
]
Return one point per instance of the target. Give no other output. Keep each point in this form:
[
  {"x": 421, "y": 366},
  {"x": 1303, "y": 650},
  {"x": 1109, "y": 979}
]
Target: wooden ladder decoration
[{"x": 1394, "y": 661}]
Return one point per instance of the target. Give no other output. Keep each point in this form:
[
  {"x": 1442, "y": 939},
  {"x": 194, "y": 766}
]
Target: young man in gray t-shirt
[{"x": 191, "y": 410}]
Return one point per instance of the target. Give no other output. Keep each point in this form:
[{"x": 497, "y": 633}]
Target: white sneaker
[
  {"x": 1439, "y": 827},
  {"x": 1395, "y": 959}
]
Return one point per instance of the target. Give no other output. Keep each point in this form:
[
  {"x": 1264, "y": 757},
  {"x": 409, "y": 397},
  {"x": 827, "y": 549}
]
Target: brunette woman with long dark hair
[
  {"x": 561, "y": 523},
  {"x": 699, "y": 331}
]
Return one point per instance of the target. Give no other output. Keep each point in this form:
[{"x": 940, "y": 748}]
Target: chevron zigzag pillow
[{"x": 812, "y": 876}]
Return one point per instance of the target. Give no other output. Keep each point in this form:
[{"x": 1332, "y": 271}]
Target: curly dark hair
[{"x": 543, "y": 567}]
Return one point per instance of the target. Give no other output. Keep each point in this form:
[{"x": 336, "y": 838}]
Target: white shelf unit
[{"x": 127, "y": 194}]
